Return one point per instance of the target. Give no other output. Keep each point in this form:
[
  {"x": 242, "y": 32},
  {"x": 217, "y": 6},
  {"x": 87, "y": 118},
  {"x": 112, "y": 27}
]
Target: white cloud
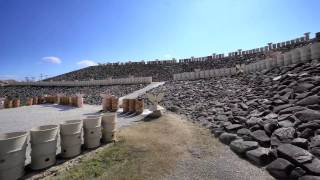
[
  {"x": 87, "y": 63},
  {"x": 167, "y": 56},
  {"x": 52, "y": 60}
]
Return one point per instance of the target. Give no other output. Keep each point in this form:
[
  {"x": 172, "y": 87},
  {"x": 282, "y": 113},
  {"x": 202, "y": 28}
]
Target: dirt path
[
  {"x": 166, "y": 148},
  {"x": 207, "y": 158}
]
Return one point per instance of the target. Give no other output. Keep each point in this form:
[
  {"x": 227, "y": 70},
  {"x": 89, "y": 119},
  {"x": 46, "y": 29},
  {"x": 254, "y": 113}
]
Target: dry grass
[{"x": 147, "y": 150}]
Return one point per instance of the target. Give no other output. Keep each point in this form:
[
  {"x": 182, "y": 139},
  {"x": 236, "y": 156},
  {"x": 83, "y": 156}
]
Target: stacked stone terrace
[
  {"x": 163, "y": 70},
  {"x": 269, "y": 113}
]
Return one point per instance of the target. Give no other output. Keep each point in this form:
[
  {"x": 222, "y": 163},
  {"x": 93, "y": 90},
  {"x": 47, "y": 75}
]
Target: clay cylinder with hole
[
  {"x": 92, "y": 132},
  {"x": 47, "y": 99},
  {"x": 65, "y": 100},
  {"x": 315, "y": 51},
  {"x": 125, "y": 105},
  {"x": 263, "y": 64},
  {"x": 114, "y": 104},
  {"x": 132, "y": 105},
  {"x": 70, "y": 101},
  {"x": 41, "y": 100},
  {"x": 52, "y": 99},
  {"x": 92, "y": 122},
  {"x": 56, "y": 99},
  {"x": 280, "y": 60},
  {"x": 139, "y": 106},
  {"x": 74, "y": 101},
  {"x": 79, "y": 101},
  {"x": 108, "y": 122},
  {"x": 29, "y": 101},
  {"x": 70, "y": 143},
  {"x": 62, "y": 100},
  {"x": 35, "y": 100},
  {"x": 273, "y": 62},
  {"x": 305, "y": 53},
  {"x": 296, "y": 56},
  {"x": 92, "y": 137},
  {"x": 107, "y": 103},
  {"x": 287, "y": 58},
  {"x": 43, "y": 146},
  {"x": 16, "y": 103},
  {"x": 7, "y": 103},
  {"x": 71, "y": 136},
  {"x": 12, "y": 154},
  {"x": 71, "y": 127},
  {"x": 268, "y": 63},
  {"x": 108, "y": 136}
]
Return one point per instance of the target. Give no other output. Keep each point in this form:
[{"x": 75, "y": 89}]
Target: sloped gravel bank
[{"x": 271, "y": 118}]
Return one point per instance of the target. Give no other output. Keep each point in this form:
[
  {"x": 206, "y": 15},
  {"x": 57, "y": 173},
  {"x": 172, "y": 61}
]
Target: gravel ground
[
  {"x": 224, "y": 166},
  {"x": 209, "y": 159}
]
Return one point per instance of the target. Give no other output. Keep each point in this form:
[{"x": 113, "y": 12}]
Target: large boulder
[
  {"x": 292, "y": 110},
  {"x": 315, "y": 146},
  {"x": 262, "y": 138},
  {"x": 280, "y": 168},
  {"x": 308, "y": 115},
  {"x": 311, "y": 125},
  {"x": 300, "y": 157},
  {"x": 282, "y": 135},
  {"x": 277, "y": 109},
  {"x": 227, "y": 138},
  {"x": 294, "y": 154},
  {"x": 309, "y": 101},
  {"x": 221, "y": 117},
  {"x": 253, "y": 121},
  {"x": 271, "y": 126},
  {"x": 233, "y": 127},
  {"x": 217, "y": 131},
  {"x": 260, "y": 156},
  {"x": 297, "y": 173},
  {"x": 309, "y": 177},
  {"x": 300, "y": 142},
  {"x": 244, "y": 133},
  {"x": 241, "y": 147}
]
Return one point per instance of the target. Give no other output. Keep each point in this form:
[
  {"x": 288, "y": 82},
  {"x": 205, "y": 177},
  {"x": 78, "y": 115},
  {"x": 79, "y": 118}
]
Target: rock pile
[
  {"x": 271, "y": 118},
  {"x": 91, "y": 94}
]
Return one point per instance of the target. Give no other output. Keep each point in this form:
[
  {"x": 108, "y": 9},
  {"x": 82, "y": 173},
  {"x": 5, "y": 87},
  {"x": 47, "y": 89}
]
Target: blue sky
[{"x": 54, "y": 37}]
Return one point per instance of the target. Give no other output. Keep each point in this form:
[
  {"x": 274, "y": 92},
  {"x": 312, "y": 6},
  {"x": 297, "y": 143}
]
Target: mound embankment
[{"x": 271, "y": 116}]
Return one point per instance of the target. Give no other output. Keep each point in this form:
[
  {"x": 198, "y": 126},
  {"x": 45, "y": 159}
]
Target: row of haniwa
[
  {"x": 298, "y": 55},
  {"x": 76, "y": 101},
  {"x": 43, "y": 139},
  {"x": 133, "y": 106},
  {"x": 104, "y": 82},
  {"x": 111, "y": 104}
]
